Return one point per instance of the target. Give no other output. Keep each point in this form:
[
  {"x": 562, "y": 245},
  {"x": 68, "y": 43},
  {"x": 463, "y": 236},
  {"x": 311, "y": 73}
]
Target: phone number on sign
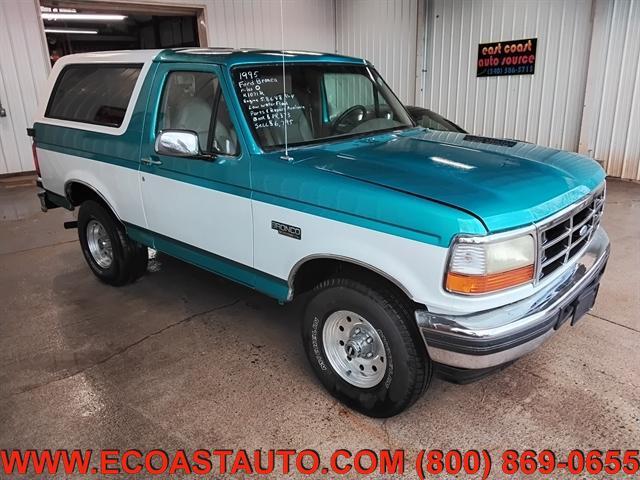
[{"x": 513, "y": 462}]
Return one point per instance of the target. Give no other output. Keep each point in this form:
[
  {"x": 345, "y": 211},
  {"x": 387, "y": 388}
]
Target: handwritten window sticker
[{"x": 269, "y": 105}]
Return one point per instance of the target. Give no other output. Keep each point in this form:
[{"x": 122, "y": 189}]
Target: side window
[
  {"x": 93, "y": 93},
  {"x": 187, "y": 103},
  {"x": 193, "y": 101},
  {"x": 344, "y": 90}
]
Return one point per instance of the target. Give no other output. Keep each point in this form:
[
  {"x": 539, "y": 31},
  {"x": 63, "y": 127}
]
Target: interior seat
[{"x": 194, "y": 114}]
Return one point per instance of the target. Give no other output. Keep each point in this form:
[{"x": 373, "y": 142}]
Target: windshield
[{"x": 322, "y": 102}]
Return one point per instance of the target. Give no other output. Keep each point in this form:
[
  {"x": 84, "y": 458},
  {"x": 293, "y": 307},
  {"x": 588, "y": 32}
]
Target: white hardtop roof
[{"x": 118, "y": 56}]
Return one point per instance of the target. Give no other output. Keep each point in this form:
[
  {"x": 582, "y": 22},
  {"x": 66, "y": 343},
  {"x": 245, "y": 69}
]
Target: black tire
[
  {"x": 129, "y": 260},
  {"x": 409, "y": 369}
]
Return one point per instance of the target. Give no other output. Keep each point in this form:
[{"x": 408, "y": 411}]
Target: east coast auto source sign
[{"x": 513, "y": 57}]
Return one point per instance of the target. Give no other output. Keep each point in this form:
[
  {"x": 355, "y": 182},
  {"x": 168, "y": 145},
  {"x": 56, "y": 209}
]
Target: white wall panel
[
  {"x": 611, "y": 120},
  {"x": 308, "y": 24},
  {"x": 543, "y": 108},
  {"x": 385, "y": 33},
  {"x": 23, "y": 73}
]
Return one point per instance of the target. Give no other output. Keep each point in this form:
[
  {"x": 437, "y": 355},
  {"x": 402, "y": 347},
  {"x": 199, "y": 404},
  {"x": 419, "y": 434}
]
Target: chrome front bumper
[{"x": 487, "y": 339}]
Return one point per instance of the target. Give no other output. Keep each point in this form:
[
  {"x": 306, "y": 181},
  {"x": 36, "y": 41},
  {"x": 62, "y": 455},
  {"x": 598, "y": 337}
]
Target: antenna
[{"x": 284, "y": 88}]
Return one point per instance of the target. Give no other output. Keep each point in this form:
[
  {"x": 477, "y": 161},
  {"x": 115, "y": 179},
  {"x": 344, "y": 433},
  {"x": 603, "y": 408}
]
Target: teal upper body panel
[
  {"x": 504, "y": 186},
  {"x": 305, "y": 185}
]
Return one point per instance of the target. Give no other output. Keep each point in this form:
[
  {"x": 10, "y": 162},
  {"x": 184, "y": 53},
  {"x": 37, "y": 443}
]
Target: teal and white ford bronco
[{"x": 299, "y": 172}]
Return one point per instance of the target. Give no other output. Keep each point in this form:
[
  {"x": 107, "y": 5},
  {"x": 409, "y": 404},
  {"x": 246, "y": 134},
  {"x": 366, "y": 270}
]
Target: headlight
[{"x": 477, "y": 266}]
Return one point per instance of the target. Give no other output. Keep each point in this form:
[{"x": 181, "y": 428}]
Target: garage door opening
[{"x": 76, "y": 27}]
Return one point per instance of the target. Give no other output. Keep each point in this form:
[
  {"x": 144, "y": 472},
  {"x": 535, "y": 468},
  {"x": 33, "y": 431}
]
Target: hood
[{"x": 506, "y": 184}]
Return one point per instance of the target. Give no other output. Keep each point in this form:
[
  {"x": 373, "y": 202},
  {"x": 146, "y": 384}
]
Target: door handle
[
  {"x": 151, "y": 161},
  {"x": 3, "y": 112}
]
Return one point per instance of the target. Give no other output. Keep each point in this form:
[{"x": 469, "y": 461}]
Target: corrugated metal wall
[
  {"x": 544, "y": 108},
  {"x": 23, "y": 72},
  {"x": 309, "y": 24},
  {"x": 385, "y": 33},
  {"x": 611, "y": 120}
]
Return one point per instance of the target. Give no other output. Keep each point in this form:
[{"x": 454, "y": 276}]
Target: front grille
[{"x": 562, "y": 238}]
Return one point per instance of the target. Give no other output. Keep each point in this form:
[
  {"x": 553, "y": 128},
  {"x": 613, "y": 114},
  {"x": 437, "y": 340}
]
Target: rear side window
[{"x": 96, "y": 94}]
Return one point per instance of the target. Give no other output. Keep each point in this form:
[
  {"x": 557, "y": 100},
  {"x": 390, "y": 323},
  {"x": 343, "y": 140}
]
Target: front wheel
[
  {"x": 112, "y": 256},
  {"x": 363, "y": 345}
]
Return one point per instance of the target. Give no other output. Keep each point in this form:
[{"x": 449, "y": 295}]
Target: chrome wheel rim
[
  {"x": 354, "y": 349},
  {"x": 99, "y": 244}
]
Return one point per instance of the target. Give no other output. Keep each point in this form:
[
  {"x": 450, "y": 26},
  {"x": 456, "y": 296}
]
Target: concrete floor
[{"x": 183, "y": 359}]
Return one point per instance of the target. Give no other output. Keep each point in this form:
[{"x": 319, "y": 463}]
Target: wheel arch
[
  {"x": 312, "y": 269},
  {"x": 78, "y": 191}
]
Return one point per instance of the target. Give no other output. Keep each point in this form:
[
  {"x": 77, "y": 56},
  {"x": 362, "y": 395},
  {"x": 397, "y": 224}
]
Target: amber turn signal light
[{"x": 460, "y": 283}]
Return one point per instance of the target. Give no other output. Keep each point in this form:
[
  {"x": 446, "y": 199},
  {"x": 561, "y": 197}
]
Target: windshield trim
[{"x": 347, "y": 136}]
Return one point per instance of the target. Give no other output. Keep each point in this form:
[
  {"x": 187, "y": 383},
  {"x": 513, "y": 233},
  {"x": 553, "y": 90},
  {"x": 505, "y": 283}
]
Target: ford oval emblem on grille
[{"x": 583, "y": 230}]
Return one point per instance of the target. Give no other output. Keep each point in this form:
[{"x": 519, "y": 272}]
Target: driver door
[{"x": 197, "y": 208}]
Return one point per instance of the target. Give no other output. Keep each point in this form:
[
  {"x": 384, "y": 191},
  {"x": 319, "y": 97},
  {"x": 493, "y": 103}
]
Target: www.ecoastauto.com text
[{"x": 282, "y": 462}]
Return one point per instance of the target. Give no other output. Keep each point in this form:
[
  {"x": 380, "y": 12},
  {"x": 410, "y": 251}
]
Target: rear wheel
[
  {"x": 363, "y": 345},
  {"x": 112, "y": 256}
]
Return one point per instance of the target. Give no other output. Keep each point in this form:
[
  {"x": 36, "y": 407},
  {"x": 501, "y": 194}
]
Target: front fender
[{"x": 415, "y": 267}]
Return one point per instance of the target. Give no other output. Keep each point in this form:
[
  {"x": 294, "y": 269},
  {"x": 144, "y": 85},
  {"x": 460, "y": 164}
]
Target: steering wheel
[{"x": 348, "y": 119}]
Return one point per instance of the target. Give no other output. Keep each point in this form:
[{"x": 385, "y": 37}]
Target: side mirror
[{"x": 178, "y": 143}]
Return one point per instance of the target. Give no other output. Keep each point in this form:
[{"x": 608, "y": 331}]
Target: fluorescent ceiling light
[
  {"x": 57, "y": 9},
  {"x": 83, "y": 16},
  {"x": 70, "y": 30}
]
